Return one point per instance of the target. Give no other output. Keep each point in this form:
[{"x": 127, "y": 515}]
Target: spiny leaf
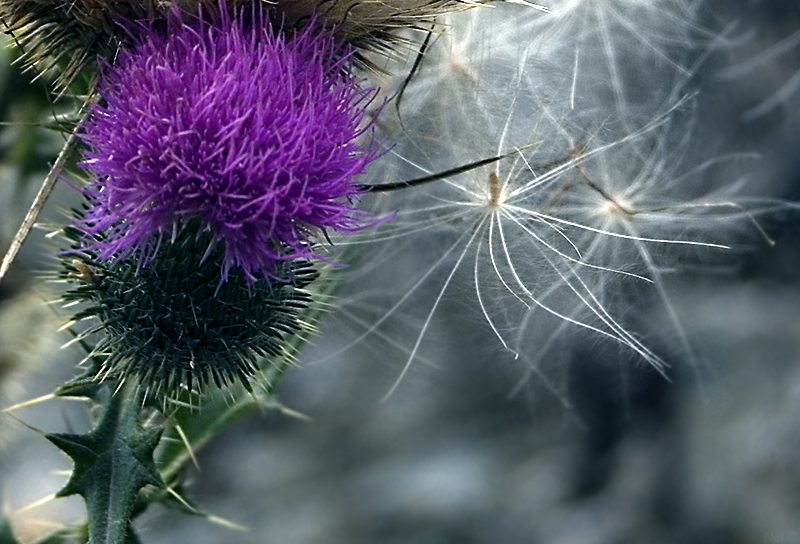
[{"x": 112, "y": 463}]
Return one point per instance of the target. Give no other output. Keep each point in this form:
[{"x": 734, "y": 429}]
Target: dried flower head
[
  {"x": 233, "y": 122},
  {"x": 583, "y": 231},
  {"x": 171, "y": 326},
  {"x": 69, "y": 34}
]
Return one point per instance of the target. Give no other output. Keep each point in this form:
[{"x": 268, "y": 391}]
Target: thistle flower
[
  {"x": 250, "y": 130},
  {"x": 170, "y": 326},
  {"x": 68, "y": 37}
]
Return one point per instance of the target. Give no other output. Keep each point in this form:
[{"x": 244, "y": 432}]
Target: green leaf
[
  {"x": 6, "y": 534},
  {"x": 113, "y": 463}
]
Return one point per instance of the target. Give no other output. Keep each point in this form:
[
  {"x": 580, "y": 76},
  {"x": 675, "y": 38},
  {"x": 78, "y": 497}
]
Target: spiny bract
[
  {"x": 68, "y": 35},
  {"x": 173, "y": 325}
]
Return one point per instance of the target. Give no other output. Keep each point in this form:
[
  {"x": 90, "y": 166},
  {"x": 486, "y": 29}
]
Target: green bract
[{"x": 173, "y": 325}]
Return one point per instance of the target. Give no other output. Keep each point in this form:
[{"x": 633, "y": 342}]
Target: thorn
[
  {"x": 29, "y": 402},
  {"x": 30, "y": 427},
  {"x": 186, "y": 443},
  {"x": 35, "y": 504},
  {"x": 213, "y": 519},
  {"x": 226, "y": 523},
  {"x": 181, "y": 500},
  {"x": 294, "y": 413},
  {"x": 67, "y": 325}
]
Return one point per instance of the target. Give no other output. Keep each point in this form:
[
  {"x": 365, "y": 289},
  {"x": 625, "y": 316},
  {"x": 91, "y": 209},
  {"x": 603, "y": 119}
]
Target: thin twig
[{"x": 44, "y": 191}]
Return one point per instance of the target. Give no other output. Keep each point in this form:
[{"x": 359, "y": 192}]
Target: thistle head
[
  {"x": 240, "y": 129},
  {"x": 68, "y": 35},
  {"x": 172, "y": 326}
]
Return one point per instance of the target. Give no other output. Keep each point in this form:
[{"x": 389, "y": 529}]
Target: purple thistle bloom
[{"x": 246, "y": 130}]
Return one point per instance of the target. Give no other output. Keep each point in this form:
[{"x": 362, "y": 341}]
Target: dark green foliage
[
  {"x": 6, "y": 535},
  {"x": 173, "y": 325},
  {"x": 112, "y": 464}
]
